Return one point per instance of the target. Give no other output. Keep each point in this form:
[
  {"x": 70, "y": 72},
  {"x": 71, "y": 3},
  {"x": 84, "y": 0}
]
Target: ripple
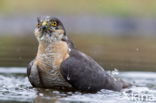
[
  {"x": 16, "y": 87},
  {"x": 12, "y": 70}
]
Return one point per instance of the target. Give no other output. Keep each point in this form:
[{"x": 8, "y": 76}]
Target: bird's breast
[
  {"x": 53, "y": 54},
  {"x": 48, "y": 59}
]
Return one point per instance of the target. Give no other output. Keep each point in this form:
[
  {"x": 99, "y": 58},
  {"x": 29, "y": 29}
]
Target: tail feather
[{"x": 125, "y": 84}]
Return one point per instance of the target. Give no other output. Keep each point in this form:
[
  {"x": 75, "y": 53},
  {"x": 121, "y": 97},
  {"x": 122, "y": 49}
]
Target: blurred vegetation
[
  {"x": 117, "y": 7},
  {"x": 123, "y": 53}
]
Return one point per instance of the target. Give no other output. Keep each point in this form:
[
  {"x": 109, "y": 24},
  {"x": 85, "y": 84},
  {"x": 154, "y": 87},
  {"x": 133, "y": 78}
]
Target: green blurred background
[{"x": 118, "y": 34}]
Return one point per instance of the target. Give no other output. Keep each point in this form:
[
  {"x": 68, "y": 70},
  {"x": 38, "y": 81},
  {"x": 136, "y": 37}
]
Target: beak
[{"x": 44, "y": 25}]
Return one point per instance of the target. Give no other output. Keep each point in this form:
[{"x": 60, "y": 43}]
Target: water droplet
[
  {"x": 68, "y": 78},
  {"x": 115, "y": 72},
  {"x": 137, "y": 49},
  {"x": 41, "y": 94},
  {"x": 69, "y": 49},
  {"x": 89, "y": 87},
  {"x": 56, "y": 92}
]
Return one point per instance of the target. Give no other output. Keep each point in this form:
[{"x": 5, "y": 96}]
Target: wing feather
[{"x": 83, "y": 73}]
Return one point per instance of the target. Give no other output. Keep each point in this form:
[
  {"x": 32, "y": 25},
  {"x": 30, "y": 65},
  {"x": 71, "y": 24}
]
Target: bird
[{"x": 60, "y": 65}]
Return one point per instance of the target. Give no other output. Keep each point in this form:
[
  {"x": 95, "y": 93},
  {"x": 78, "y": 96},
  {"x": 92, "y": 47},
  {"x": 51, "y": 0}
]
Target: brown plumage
[{"x": 59, "y": 65}]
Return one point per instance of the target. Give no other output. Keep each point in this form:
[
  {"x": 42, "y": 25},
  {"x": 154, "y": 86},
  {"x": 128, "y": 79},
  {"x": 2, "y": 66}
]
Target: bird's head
[{"x": 49, "y": 29}]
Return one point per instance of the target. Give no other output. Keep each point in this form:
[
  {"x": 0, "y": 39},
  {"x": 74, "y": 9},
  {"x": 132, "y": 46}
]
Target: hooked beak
[
  {"x": 44, "y": 23},
  {"x": 44, "y": 26},
  {"x": 46, "y": 29}
]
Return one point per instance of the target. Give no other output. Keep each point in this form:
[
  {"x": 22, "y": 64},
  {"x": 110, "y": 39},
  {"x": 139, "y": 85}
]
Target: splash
[{"x": 16, "y": 87}]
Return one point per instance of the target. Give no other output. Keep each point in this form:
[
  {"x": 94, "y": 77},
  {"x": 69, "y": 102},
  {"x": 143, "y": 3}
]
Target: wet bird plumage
[{"x": 59, "y": 64}]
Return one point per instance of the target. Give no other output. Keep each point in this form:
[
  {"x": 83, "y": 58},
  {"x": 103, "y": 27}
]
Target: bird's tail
[{"x": 125, "y": 84}]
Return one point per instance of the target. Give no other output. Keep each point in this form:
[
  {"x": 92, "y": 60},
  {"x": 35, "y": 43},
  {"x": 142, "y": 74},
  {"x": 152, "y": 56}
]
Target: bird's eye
[
  {"x": 38, "y": 25},
  {"x": 54, "y": 23}
]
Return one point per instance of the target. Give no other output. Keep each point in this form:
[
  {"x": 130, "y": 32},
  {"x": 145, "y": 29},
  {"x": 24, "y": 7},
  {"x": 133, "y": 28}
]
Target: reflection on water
[
  {"x": 15, "y": 88},
  {"x": 123, "y": 53}
]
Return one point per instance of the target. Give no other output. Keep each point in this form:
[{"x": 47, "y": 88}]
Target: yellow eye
[
  {"x": 39, "y": 24},
  {"x": 54, "y": 23}
]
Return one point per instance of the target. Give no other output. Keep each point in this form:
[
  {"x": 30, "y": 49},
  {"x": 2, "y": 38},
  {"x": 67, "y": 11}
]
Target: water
[
  {"x": 112, "y": 53},
  {"x": 15, "y": 88}
]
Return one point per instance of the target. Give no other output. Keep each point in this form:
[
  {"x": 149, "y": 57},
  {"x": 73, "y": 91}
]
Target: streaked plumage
[{"x": 59, "y": 64}]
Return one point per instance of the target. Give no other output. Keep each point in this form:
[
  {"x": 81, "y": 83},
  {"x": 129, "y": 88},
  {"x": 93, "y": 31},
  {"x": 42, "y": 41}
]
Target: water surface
[
  {"x": 15, "y": 88},
  {"x": 134, "y": 55}
]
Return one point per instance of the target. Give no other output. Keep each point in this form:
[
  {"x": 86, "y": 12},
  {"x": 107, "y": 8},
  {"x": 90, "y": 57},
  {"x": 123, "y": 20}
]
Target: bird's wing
[
  {"x": 83, "y": 73},
  {"x": 29, "y": 71},
  {"x": 34, "y": 75}
]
